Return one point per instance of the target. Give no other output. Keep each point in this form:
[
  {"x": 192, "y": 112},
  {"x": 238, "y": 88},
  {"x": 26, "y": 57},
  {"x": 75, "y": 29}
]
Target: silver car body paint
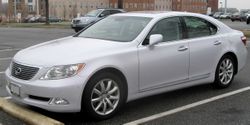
[{"x": 145, "y": 69}]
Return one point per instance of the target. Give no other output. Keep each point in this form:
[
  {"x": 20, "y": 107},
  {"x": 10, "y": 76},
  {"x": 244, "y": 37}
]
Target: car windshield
[
  {"x": 93, "y": 13},
  {"x": 116, "y": 28}
]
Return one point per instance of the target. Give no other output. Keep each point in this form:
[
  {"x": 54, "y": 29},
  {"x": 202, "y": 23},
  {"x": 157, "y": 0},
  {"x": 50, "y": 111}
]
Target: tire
[
  {"x": 94, "y": 99},
  {"x": 232, "y": 20},
  {"x": 248, "y": 21},
  {"x": 225, "y": 68},
  {"x": 77, "y": 30}
]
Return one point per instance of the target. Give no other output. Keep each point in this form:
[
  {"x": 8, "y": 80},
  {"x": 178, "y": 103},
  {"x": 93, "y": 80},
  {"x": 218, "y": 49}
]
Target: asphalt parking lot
[{"x": 228, "y": 111}]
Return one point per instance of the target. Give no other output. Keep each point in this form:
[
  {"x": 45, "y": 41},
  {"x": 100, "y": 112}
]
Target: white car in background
[{"x": 125, "y": 57}]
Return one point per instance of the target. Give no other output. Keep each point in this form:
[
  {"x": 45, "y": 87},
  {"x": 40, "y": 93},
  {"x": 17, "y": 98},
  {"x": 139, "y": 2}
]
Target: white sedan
[{"x": 125, "y": 57}]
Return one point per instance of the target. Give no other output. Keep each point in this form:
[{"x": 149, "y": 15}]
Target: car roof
[
  {"x": 162, "y": 14},
  {"x": 158, "y": 14}
]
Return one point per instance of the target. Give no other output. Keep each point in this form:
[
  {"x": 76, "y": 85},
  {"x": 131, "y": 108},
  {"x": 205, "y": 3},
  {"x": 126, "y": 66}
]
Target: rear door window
[{"x": 197, "y": 27}]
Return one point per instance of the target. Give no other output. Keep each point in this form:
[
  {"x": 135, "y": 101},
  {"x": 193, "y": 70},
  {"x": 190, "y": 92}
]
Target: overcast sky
[{"x": 240, "y": 4}]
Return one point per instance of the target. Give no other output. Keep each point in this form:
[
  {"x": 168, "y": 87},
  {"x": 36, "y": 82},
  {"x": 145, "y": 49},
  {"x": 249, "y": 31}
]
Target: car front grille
[
  {"x": 76, "y": 21},
  {"x": 23, "y": 72}
]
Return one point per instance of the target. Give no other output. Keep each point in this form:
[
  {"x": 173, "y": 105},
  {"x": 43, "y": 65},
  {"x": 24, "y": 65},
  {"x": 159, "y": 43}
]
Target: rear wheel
[
  {"x": 248, "y": 21},
  {"x": 225, "y": 72},
  {"x": 104, "y": 95}
]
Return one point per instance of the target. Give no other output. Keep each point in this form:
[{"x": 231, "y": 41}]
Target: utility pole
[
  {"x": 15, "y": 10},
  {"x": 225, "y": 6},
  {"x": 120, "y": 4},
  {"x": 47, "y": 11},
  {"x": 37, "y": 7}
]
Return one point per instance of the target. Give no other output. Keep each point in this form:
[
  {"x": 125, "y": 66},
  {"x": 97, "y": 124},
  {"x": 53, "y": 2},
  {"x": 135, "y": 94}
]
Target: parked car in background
[
  {"x": 79, "y": 23},
  {"x": 42, "y": 19},
  {"x": 124, "y": 57},
  {"x": 33, "y": 19},
  {"x": 26, "y": 19},
  {"x": 225, "y": 16},
  {"x": 54, "y": 19},
  {"x": 217, "y": 15},
  {"x": 237, "y": 17},
  {"x": 248, "y": 18}
]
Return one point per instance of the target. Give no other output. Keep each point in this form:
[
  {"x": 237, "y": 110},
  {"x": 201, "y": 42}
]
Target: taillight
[{"x": 244, "y": 40}]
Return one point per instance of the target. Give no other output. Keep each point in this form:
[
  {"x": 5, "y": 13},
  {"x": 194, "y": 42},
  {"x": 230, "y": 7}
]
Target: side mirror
[{"x": 155, "y": 39}]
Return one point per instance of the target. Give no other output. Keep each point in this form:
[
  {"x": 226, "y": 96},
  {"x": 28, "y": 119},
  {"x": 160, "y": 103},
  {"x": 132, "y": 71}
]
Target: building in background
[
  {"x": 68, "y": 9},
  {"x": 16, "y": 7},
  {"x": 134, "y": 5},
  {"x": 1, "y": 7},
  {"x": 196, "y": 6},
  {"x": 141, "y": 5},
  {"x": 163, "y": 5},
  {"x": 22, "y": 8},
  {"x": 213, "y": 4}
]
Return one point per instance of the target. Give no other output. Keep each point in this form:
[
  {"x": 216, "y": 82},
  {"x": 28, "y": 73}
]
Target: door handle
[
  {"x": 217, "y": 42},
  {"x": 182, "y": 48}
]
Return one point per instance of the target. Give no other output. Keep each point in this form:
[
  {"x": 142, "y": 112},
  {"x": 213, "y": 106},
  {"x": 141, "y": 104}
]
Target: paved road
[
  {"x": 237, "y": 25},
  {"x": 11, "y": 38}
]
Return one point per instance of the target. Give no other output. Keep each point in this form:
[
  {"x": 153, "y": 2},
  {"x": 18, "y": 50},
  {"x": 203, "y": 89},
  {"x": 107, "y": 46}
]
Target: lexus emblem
[{"x": 18, "y": 71}]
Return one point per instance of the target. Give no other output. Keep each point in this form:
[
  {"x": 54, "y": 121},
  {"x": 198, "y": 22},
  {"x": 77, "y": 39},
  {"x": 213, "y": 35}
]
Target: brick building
[
  {"x": 196, "y": 6},
  {"x": 140, "y": 5},
  {"x": 213, "y": 4},
  {"x": 24, "y": 7},
  {"x": 1, "y": 7},
  {"x": 68, "y": 9},
  {"x": 164, "y": 5}
]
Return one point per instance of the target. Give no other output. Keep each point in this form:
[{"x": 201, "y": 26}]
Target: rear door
[{"x": 205, "y": 47}]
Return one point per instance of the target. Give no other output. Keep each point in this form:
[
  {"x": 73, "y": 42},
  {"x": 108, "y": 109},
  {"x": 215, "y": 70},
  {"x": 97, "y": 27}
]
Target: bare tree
[
  {"x": 120, "y": 4},
  {"x": 47, "y": 11}
]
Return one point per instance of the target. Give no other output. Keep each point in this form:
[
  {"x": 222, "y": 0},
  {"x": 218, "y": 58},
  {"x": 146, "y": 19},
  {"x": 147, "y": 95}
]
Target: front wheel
[
  {"x": 224, "y": 72},
  {"x": 104, "y": 95}
]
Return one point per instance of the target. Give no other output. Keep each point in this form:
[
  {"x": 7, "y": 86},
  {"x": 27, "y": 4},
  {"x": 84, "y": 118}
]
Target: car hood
[{"x": 69, "y": 50}]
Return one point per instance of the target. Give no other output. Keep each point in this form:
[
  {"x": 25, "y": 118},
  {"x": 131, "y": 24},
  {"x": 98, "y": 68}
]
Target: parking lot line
[
  {"x": 186, "y": 107},
  {"x": 4, "y": 50}
]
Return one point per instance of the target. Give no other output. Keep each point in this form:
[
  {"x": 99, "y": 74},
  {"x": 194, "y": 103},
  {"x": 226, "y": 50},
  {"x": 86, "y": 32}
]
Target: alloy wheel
[
  {"x": 226, "y": 71},
  {"x": 105, "y": 97}
]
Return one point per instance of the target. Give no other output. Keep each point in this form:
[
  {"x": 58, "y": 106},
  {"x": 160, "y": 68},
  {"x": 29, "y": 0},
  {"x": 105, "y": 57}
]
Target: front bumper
[
  {"x": 78, "y": 26},
  {"x": 45, "y": 91}
]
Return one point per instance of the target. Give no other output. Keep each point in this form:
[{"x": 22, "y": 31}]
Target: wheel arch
[{"x": 116, "y": 71}]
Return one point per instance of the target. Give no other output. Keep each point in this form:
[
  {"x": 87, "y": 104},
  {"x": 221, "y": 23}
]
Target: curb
[{"x": 28, "y": 116}]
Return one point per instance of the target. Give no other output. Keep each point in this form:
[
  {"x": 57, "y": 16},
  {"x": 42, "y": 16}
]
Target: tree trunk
[
  {"x": 47, "y": 11},
  {"x": 120, "y": 4}
]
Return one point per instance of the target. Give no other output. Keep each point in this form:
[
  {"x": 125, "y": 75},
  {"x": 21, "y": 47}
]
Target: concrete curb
[{"x": 28, "y": 116}]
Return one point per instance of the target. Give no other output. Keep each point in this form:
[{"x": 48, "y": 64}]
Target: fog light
[{"x": 59, "y": 101}]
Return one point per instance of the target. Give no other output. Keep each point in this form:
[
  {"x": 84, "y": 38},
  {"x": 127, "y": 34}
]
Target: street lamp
[
  {"x": 15, "y": 9},
  {"x": 221, "y": 6}
]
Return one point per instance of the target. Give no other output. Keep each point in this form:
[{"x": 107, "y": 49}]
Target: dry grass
[{"x": 247, "y": 33}]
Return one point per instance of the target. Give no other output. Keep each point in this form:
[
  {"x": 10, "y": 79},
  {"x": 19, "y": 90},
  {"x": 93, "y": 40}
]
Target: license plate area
[{"x": 14, "y": 89}]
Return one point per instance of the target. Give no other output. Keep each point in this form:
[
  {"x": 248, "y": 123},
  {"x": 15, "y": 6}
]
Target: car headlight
[{"x": 61, "y": 72}]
